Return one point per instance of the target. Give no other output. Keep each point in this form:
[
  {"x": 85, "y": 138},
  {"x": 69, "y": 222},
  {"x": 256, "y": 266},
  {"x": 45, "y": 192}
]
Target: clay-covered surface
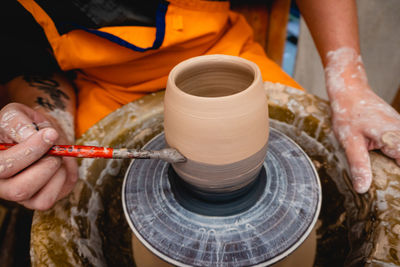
[
  {"x": 385, "y": 223},
  {"x": 89, "y": 228}
]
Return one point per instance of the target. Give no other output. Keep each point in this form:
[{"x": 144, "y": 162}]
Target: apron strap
[{"x": 160, "y": 31}]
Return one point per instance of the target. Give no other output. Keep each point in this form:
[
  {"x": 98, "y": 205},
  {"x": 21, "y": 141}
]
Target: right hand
[
  {"x": 360, "y": 119},
  {"x": 27, "y": 175}
]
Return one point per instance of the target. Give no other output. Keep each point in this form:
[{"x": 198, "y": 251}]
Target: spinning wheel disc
[{"x": 271, "y": 229}]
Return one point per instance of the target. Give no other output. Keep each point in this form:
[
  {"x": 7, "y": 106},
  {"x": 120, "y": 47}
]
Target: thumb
[{"x": 360, "y": 166}]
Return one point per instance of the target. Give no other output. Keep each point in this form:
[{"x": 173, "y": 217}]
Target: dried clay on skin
[
  {"x": 18, "y": 132},
  {"x": 9, "y": 115},
  {"x": 360, "y": 118},
  {"x": 66, "y": 122}
]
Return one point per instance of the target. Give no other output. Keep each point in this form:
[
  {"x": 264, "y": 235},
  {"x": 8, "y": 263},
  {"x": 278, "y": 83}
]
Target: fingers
[
  {"x": 360, "y": 167},
  {"x": 39, "y": 187},
  {"x": 26, "y": 176},
  {"x": 27, "y": 183},
  {"x": 16, "y": 122},
  {"x": 20, "y": 156},
  {"x": 48, "y": 195}
]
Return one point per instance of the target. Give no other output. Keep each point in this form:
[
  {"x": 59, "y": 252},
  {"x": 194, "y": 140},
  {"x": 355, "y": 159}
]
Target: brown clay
[{"x": 216, "y": 115}]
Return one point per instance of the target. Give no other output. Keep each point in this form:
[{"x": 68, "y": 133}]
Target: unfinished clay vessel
[{"x": 216, "y": 115}]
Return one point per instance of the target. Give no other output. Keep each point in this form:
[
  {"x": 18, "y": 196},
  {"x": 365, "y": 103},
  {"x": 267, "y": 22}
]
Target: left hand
[
  {"x": 361, "y": 120},
  {"x": 27, "y": 175}
]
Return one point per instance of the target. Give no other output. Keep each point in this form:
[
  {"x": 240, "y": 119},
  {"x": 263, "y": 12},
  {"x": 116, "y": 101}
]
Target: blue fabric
[{"x": 160, "y": 31}]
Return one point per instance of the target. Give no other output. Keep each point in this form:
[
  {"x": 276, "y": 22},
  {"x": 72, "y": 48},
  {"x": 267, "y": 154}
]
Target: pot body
[{"x": 216, "y": 115}]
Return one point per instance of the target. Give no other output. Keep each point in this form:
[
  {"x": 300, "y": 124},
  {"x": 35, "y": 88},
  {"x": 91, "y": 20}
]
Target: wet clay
[
  {"x": 385, "y": 235},
  {"x": 216, "y": 115},
  {"x": 168, "y": 154},
  {"x": 224, "y": 177}
]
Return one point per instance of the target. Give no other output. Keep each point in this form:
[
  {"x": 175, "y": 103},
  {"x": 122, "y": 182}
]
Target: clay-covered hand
[
  {"x": 361, "y": 120},
  {"x": 27, "y": 175}
]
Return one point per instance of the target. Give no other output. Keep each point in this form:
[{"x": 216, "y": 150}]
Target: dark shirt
[{"x": 25, "y": 49}]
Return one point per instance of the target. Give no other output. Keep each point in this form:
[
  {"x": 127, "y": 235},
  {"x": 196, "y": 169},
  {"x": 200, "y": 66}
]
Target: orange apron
[{"x": 120, "y": 64}]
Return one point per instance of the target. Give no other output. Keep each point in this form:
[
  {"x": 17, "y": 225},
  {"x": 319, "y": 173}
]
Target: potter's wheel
[{"x": 283, "y": 215}]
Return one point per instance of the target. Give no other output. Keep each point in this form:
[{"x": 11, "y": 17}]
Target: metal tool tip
[{"x": 172, "y": 155}]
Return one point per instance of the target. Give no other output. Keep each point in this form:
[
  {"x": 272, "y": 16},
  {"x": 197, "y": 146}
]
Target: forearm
[
  {"x": 52, "y": 95},
  {"x": 332, "y": 23},
  {"x": 360, "y": 119}
]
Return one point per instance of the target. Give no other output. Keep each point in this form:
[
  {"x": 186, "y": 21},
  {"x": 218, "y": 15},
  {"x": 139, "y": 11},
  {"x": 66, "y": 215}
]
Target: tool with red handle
[{"x": 168, "y": 154}]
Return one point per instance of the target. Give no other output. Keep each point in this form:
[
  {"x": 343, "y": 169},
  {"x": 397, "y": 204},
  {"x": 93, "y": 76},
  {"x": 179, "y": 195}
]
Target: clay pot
[{"x": 216, "y": 115}]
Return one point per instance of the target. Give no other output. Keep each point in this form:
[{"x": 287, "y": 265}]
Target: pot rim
[{"x": 253, "y": 67}]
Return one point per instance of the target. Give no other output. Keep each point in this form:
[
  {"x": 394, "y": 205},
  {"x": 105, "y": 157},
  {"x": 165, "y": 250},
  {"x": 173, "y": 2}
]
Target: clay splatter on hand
[{"x": 361, "y": 120}]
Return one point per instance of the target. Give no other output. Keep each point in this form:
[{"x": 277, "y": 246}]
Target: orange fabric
[{"x": 111, "y": 75}]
